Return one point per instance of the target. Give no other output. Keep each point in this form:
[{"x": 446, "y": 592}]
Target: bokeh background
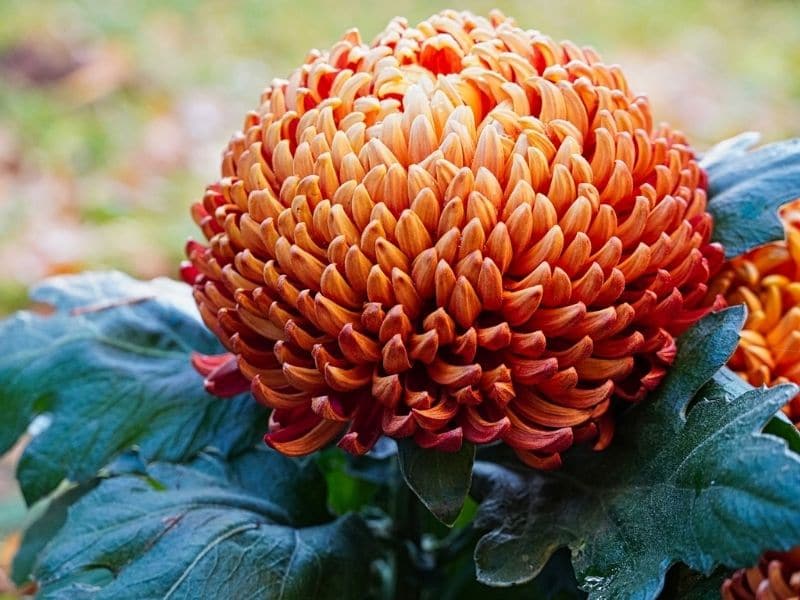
[{"x": 113, "y": 113}]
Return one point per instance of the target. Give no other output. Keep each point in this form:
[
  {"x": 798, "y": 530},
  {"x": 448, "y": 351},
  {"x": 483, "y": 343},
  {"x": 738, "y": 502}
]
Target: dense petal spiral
[
  {"x": 767, "y": 281},
  {"x": 776, "y": 577},
  {"x": 461, "y": 231}
]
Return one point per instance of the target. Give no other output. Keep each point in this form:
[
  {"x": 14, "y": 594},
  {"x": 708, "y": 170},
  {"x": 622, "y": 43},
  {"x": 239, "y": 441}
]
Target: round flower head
[
  {"x": 767, "y": 280},
  {"x": 776, "y": 577},
  {"x": 462, "y": 231}
]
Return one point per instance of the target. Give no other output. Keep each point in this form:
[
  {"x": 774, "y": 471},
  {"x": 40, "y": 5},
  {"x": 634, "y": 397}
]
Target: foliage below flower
[{"x": 462, "y": 231}]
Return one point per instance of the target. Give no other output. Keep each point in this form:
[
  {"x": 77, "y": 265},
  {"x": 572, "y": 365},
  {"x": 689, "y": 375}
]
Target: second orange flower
[{"x": 767, "y": 281}]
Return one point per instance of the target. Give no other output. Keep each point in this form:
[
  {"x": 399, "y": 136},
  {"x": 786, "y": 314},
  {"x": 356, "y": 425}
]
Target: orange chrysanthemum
[
  {"x": 776, "y": 577},
  {"x": 462, "y": 231},
  {"x": 767, "y": 281}
]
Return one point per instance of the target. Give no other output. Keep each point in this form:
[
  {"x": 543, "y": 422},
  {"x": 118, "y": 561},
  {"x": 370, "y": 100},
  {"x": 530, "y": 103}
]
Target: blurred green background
[{"x": 113, "y": 113}]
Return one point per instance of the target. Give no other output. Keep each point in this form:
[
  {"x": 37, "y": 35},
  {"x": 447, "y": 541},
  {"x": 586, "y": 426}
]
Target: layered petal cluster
[
  {"x": 461, "y": 231},
  {"x": 767, "y": 281},
  {"x": 777, "y": 577}
]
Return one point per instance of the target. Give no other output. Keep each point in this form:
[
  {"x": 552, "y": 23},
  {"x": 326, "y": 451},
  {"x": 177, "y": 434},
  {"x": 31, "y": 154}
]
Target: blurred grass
[{"x": 99, "y": 166}]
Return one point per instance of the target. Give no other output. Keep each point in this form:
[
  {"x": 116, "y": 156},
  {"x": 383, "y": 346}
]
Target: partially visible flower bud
[
  {"x": 776, "y": 577},
  {"x": 461, "y": 231}
]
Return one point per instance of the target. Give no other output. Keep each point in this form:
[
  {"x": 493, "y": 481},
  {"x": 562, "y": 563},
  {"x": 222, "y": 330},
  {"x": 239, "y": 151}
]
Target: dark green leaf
[
  {"x": 47, "y": 517},
  {"x": 746, "y": 188},
  {"x": 703, "y": 487},
  {"x": 684, "y": 584},
  {"x": 42, "y": 530},
  {"x": 441, "y": 480},
  {"x": 294, "y": 483},
  {"x": 253, "y": 528},
  {"x": 730, "y": 385},
  {"x": 702, "y": 352},
  {"x": 458, "y": 582},
  {"x": 111, "y": 370}
]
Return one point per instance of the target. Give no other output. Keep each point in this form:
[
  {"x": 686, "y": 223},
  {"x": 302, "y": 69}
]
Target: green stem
[{"x": 408, "y": 526}]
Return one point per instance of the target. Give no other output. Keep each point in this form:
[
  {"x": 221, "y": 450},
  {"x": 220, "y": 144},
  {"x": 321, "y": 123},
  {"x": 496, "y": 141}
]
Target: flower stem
[{"x": 408, "y": 526}]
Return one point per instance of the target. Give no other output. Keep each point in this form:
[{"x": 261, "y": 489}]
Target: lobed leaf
[
  {"x": 699, "y": 485},
  {"x": 256, "y": 527},
  {"x": 727, "y": 383},
  {"x": 746, "y": 188},
  {"x": 110, "y": 369}
]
